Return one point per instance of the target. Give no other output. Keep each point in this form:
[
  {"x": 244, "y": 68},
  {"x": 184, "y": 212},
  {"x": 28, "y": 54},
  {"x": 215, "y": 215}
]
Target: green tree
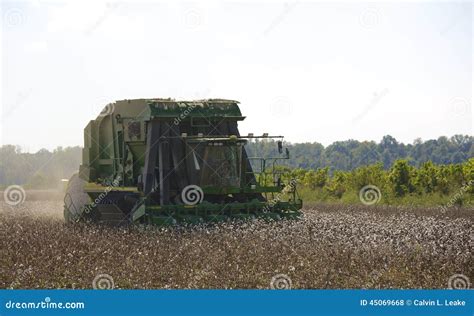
[
  {"x": 316, "y": 178},
  {"x": 337, "y": 185},
  {"x": 400, "y": 177},
  {"x": 426, "y": 178}
]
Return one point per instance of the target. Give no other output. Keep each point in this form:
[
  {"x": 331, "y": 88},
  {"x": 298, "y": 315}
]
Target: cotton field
[{"x": 329, "y": 247}]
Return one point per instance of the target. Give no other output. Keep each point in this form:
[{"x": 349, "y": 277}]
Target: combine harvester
[{"x": 162, "y": 162}]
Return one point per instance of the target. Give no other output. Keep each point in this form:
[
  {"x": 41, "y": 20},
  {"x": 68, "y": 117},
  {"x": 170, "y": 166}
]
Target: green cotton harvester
[{"x": 166, "y": 162}]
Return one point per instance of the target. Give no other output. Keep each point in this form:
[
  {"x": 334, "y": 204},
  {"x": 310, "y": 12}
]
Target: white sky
[{"x": 311, "y": 71}]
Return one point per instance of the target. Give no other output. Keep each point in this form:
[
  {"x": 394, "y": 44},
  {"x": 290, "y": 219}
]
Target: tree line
[
  {"x": 402, "y": 183},
  {"x": 351, "y": 154},
  {"x": 334, "y": 165},
  {"x": 40, "y": 170}
]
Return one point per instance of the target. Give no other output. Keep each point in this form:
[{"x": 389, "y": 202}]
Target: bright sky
[{"x": 310, "y": 71}]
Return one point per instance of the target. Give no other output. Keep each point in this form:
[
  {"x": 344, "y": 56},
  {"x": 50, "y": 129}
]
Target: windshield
[{"x": 220, "y": 165}]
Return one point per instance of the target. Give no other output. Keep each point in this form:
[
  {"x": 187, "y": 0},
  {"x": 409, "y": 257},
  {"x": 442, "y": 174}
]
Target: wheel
[{"x": 75, "y": 199}]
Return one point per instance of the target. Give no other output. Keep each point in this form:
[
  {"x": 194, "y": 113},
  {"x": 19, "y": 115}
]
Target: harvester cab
[{"x": 161, "y": 161}]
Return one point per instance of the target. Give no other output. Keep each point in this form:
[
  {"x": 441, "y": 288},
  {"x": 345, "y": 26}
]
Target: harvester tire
[{"x": 75, "y": 199}]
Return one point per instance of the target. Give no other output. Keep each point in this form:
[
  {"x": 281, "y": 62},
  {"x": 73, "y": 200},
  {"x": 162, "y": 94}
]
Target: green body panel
[
  {"x": 104, "y": 136},
  {"x": 200, "y": 108}
]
